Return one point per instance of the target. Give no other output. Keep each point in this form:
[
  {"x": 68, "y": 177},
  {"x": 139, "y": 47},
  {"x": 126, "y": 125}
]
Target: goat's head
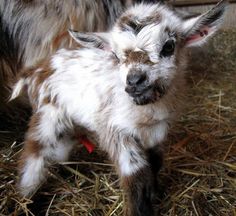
[{"x": 149, "y": 42}]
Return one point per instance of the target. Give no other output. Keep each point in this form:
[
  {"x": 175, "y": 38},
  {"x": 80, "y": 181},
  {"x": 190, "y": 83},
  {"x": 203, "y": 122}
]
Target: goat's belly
[
  {"x": 84, "y": 110},
  {"x": 83, "y": 106}
]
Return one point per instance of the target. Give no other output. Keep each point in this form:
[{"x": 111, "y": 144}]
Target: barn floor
[{"x": 199, "y": 176}]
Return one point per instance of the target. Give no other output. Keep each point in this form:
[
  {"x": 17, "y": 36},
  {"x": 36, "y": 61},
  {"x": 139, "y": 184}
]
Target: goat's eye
[{"x": 168, "y": 48}]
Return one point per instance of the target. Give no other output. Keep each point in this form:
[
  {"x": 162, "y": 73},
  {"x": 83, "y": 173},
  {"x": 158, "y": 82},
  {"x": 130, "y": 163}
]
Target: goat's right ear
[
  {"x": 91, "y": 40},
  {"x": 199, "y": 29}
]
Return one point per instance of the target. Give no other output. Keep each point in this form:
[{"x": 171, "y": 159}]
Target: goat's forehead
[
  {"x": 143, "y": 25},
  {"x": 142, "y": 15}
]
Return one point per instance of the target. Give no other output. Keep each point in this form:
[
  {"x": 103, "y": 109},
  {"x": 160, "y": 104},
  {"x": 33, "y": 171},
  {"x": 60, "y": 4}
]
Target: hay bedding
[{"x": 199, "y": 176}]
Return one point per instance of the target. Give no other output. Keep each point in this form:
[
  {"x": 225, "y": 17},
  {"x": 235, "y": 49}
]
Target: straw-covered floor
[{"x": 199, "y": 175}]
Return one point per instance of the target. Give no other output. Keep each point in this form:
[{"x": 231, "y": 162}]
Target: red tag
[{"x": 87, "y": 144}]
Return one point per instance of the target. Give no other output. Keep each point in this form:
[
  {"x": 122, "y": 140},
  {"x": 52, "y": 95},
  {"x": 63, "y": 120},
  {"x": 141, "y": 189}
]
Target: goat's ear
[
  {"x": 91, "y": 40},
  {"x": 198, "y": 30}
]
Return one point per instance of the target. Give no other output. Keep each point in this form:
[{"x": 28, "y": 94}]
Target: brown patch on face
[
  {"x": 155, "y": 18},
  {"x": 137, "y": 57},
  {"x": 124, "y": 20},
  {"x": 129, "y": 22}
]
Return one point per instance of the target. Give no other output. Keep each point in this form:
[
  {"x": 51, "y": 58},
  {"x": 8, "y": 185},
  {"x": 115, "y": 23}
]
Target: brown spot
[
  {"x": 37, "y": 75},
  {"x": 27, "y": 73},
  {"x": 32, "y": 147},
  {"x": 33, "y": 124},
  {"x": 46, "y": 72},
  {"x": 129, "y": 22},
  {"x": 46, "y": 100},
  {"x": 124, "y": 20},
  {"x": 137, "y": 57},
  {"x": 155, "y": 18}
]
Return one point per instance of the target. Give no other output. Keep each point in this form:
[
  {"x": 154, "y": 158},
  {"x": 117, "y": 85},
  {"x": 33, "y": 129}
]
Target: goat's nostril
[{"x": 136, "y": 79}]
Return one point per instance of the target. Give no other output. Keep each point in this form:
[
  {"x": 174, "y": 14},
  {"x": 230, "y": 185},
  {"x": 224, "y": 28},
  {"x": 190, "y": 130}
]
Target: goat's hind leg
[
  {"x": 32, "y": 168},
  {"x": 44, "y": 145}
]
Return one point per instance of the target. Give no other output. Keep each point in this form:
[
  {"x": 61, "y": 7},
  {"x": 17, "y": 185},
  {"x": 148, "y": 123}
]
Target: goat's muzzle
[{"x": 141, "y": 91}]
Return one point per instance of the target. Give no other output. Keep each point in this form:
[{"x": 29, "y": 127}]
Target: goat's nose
[{"x": 136, "y": 79}]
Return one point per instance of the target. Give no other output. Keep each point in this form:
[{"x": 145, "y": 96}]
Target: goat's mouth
[{"x": 146, "y": 95}]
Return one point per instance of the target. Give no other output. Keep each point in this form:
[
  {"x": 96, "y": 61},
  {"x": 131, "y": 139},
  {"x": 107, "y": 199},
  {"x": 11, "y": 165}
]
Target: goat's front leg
[
  {"x": 136, "y": 175},
  {"x": 155, "y": 159},
  {"x": 139, "y": 188}
]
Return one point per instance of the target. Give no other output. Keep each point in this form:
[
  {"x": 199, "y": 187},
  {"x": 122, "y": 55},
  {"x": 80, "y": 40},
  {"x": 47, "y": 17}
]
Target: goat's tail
[{"x": 17, "y": 89}]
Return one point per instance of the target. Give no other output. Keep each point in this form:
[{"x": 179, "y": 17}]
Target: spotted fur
[
  {"x": 123, "y": 87},
  {"x": 34, "y": 29}
]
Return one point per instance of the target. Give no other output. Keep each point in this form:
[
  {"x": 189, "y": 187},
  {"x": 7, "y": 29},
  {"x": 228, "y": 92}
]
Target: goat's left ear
[
  {"x": 91, "y": 40},
  {"x": 198, "y": 30}
]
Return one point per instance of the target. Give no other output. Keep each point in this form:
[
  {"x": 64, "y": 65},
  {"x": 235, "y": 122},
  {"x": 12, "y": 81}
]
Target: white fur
[
  {"x": 33, "y": 174},
  {"x": 88, "y": 86},
  {"x": 126, "y": 166},
  {"x": 17, "y": 89}
]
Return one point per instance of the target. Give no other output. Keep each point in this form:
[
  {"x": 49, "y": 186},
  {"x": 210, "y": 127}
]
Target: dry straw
[{"x": 199, "y": 176}]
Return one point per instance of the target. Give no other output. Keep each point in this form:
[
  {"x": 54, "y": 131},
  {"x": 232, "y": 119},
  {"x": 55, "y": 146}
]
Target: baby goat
[
  {"x": 31, "y": 30},
  {"x": 122, "y": 88}
]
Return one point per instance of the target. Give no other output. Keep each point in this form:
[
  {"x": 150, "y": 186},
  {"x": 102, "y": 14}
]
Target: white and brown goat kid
[
  {"x": 123, "y": 87},
  {"x": 31, "y": 30}
]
